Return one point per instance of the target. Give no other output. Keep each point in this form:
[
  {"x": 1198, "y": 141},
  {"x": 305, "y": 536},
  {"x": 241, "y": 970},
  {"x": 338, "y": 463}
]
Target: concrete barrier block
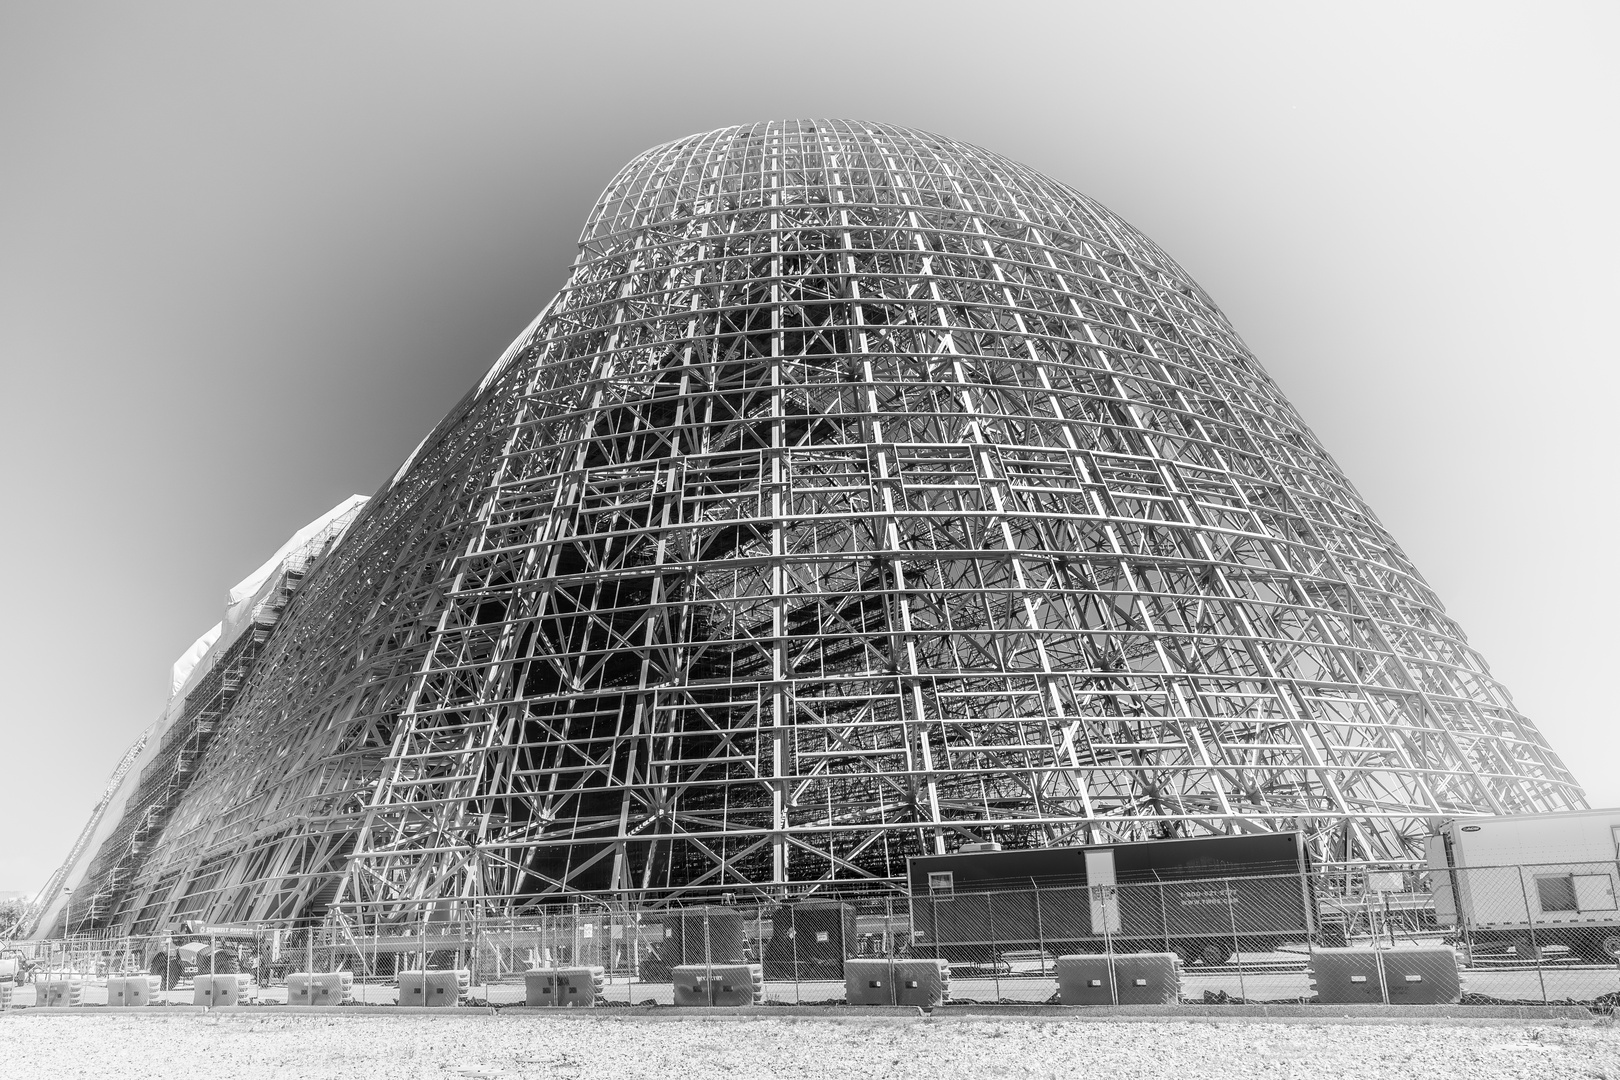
[
  {"x": 133, "y": 991},
  {"x": 1085, "y": 979},
  {"x": 724, "y": 985},
  {"x": 320, "y": 987},
  {"x": 1345, "y": 976},
  {"x": 59, "y": 992},
  {"x": 214, "y": 991},
  {"x": 435, "y": 989},
  {"x": 567, "y": 987},
  {"x": 923, "y": 983},
  {"x": 1147, "y": 978},
  {"x": 1425, "y": 976}
]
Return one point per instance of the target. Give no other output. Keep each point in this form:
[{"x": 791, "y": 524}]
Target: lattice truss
[{"x": 861, "y": 493}]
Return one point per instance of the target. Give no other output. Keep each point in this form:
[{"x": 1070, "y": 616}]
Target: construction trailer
[
  {"x": 1203, "y": 898},
  {"x": 1524, "y": 884}
]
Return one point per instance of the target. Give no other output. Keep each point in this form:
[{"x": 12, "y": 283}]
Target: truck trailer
[
  {"x": 1203, "y": 898},
  {"x": 1521, "y": 883}
]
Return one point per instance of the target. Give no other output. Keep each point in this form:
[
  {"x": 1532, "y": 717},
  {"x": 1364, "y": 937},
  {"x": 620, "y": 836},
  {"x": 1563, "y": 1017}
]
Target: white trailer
[{"x": 1523, "y": 882}]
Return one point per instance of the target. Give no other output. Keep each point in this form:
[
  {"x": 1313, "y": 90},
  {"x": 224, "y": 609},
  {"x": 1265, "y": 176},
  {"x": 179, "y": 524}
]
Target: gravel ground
[{"x": 247, "y": 1047}]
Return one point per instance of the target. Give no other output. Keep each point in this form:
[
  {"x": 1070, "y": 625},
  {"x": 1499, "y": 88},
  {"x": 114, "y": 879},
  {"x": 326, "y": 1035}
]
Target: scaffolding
[{"x": 862, "y": 494}]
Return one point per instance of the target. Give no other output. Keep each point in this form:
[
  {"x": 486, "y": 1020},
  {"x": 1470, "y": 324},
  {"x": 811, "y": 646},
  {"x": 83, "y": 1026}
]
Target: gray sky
[{"x": 249, "y": 254}]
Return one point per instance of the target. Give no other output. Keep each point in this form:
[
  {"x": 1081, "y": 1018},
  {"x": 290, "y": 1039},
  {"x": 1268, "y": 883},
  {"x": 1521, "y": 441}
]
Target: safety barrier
[
  {"x": 1415, "y": 976},
  {"x": 56, "y": 992},
  {"x": 924, "y": 983},
  {"x": 214, "y": 991},
  {"x": 1125, "y": 979},
  {"x": 1421, "y": 976},
  {"x": 435, "y": 989},
  {"x": 1345, "y": 976},
  {"x": 568, "y": 987},
  {"x": 320, "y": 987},
  {"x": 719, "y": 985},
  {"x": 1086, "y": 979},
  {"x": 134, "y": 991}
]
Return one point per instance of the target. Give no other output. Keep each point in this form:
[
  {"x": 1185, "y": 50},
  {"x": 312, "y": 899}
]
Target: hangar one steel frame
[{"x": 860, "y": 495}]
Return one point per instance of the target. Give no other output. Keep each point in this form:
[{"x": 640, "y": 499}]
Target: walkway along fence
[{"x": 1546, "y": 933}]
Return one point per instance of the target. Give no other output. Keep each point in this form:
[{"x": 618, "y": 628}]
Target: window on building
[
  {"x": 1556, "y": 892},
  {"x": 1594, "y": 892}
]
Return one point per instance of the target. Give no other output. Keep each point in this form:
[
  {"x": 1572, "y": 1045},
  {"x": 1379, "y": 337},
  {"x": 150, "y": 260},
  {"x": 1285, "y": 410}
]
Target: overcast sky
[{"x": 249, "y": 254}]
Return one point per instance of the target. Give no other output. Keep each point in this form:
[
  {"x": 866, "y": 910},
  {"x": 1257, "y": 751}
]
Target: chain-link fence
[
  {"x": 1544, "y": 932},
  {"x": 1547, "y": 933}
]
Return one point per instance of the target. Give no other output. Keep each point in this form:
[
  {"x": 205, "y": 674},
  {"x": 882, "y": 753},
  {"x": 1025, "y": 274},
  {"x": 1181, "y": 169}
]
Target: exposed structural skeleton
[
  {"x": 128, "y": 824},
  {"x": 861, "y": 494}
]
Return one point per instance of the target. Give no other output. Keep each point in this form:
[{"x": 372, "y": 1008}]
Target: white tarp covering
[
  {"x": 250, "y": 584},
  {"x": 248, "y": 593},
  {"x": 187, "y": 663}
]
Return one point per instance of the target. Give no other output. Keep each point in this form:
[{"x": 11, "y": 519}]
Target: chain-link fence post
[
  {"x": 1100, "y": 913},
  {"x": 1535, "y": 944},
  {"x": 635, "y": 956},
  {"x": 1164, "y": 917},
  {"x": 1464, "y": 925},
  {"x": 995, "y": 942},
  {"x": 1040, "y": 923},
  {"x": 793, "y": 939},
  {"x": 1231, "y": 915},
  {"x": 891, "y": 939},
  {"x": 1610, "y": 942},
  {"x": 935, "y": 902},
  {"x": 1313, "y": 919}
]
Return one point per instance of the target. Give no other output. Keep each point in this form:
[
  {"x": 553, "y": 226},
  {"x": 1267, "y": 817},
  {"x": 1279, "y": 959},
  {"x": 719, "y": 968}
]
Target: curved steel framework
[{"x": 862, "y": 493}]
